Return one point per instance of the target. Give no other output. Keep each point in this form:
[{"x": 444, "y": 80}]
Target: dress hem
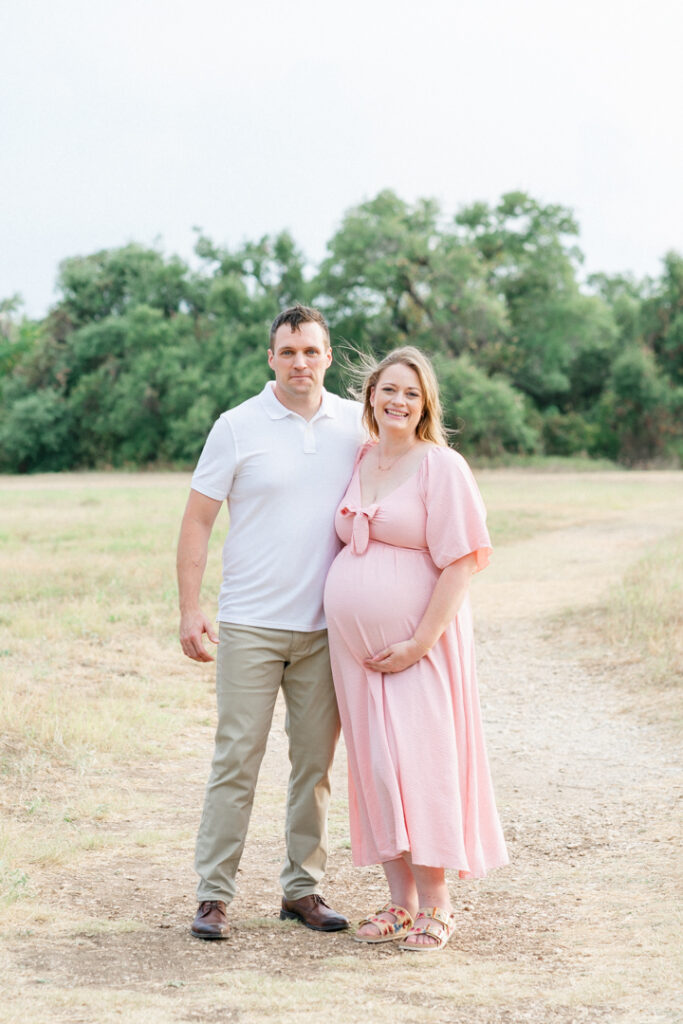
[{"x": 462, "y": 872}]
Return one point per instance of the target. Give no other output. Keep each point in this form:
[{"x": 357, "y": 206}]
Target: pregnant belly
[{"x": 377, "y": 598}]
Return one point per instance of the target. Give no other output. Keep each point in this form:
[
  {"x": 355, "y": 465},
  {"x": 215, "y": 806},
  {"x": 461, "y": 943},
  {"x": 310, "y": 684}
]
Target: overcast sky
[{"x": 136, "y": 120}]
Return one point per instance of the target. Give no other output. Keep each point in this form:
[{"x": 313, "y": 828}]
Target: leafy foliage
[
  {"x": 142, "y": 352},
  {"x": 487, "y": 411}
]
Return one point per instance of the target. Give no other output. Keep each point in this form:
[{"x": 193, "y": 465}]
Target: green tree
[
  {"x": 114, "y": 280},
  {"x": 18, "y": 334},
  {"x": 568, "y": 433},
  {"x": 663, "y": 318},
  {"x": 635, "y": 414},
  {"x": 625, "y": 295},
  {"x": 141, "y": 353},
  {"x": 35, "y": 434},
  {"x": 532, "y": 261},
  {"x": 267, "y": 275},
  {"x": 395, "y": 274},
  {"x": 487, "y": 413}
]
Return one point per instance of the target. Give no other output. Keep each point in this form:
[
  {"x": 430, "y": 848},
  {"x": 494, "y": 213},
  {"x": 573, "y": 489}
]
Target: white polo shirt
[{"x": 283, "y": 477}]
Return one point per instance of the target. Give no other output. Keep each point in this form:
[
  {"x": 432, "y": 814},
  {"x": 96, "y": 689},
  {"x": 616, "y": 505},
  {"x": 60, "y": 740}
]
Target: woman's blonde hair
[{"x": 430, "y": 428}]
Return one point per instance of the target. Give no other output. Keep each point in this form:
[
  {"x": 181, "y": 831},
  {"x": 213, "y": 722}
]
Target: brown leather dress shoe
[
  {"x": 211, "y": 921},
  {"x": 314, "y": 913}
]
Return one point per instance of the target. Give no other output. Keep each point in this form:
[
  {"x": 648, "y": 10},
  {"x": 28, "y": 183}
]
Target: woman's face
[{"x": 397, "y": 401}]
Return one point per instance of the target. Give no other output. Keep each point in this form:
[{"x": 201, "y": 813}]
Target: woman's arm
[{"x": 444, "y": 604}]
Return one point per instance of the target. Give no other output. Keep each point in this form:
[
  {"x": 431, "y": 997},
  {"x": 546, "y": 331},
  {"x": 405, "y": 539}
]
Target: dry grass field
[{"x": 106, "y": 735}]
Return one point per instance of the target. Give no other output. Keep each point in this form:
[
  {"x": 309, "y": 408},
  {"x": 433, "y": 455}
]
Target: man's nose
[{"x": 299, "y": 359}]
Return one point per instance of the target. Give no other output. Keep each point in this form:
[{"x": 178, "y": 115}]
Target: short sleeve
[
  {"x": 217, "y": 463},
  {"x": 456, "y": 516}
]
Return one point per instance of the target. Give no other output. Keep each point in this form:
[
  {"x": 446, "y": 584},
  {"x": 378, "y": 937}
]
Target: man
[{"x": 282, "y": 460}]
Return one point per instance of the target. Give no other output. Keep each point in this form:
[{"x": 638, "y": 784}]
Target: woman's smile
[{"x": 397, "y": 399}]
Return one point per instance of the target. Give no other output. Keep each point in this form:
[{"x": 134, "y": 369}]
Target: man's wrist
[{"x": 189, "y": 610}]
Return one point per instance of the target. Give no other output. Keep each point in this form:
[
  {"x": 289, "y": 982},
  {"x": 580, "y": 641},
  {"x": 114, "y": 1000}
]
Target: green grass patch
[{"x": 642, "y": 617}]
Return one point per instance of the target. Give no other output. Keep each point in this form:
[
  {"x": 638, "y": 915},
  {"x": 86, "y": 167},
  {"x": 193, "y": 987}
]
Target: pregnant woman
[{"x": 400, "y": 632}]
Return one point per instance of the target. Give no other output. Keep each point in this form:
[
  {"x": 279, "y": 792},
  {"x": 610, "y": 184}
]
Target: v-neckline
[{"x": 379, "y": 501}]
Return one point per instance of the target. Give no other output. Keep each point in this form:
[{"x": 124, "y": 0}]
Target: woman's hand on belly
[{"x": 397, "y": 657}]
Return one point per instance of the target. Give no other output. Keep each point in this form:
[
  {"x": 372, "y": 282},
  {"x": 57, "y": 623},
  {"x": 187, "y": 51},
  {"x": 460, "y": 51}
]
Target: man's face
[{"x": 299, "y": 360}]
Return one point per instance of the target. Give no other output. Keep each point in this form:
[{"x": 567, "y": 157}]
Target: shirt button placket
[{"x": 309, "y": 440}]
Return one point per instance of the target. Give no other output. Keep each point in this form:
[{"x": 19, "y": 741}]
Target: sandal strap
[
  {"x": 441, "y": 936},
  {"x": 400, "y": 913},
  {"x": 403, "y": 919},
  {"x": 437, "y": 914},
  {"x": 384, "y": 927},
  {"x": 429, "y": 929},
  {"x": 438, "y": 924}
]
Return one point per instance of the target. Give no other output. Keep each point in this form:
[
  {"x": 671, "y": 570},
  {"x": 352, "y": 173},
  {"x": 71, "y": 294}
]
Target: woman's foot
[
  {"x": 432, "y": 929},
  {"x": 390, "y": 923}
]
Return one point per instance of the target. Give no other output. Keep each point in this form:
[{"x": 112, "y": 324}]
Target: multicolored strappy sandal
[
  {"x": 388, "y": 930},
  {"x": 441, "y": 934}
]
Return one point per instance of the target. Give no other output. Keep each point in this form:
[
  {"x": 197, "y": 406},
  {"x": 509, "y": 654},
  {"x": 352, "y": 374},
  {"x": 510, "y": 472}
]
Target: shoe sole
[
  {"x": 207, "y": 938},
  {"x": 375, "y": 941},
  {"x": 287, "y": 915},
  {"x": 422, "y": 949}
]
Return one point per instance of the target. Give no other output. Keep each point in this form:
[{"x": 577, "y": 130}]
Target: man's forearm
[{"x": 193, "y": 547}]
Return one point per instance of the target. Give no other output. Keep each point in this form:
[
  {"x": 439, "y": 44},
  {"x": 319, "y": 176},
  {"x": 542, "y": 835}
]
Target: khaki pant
[{"x": 252, "y": 664}]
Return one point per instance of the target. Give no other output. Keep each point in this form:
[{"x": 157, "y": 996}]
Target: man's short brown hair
[{"x": 297, "y": 315}]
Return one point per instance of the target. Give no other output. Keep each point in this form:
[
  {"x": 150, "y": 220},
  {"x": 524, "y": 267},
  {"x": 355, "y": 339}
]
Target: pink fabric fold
[{"x": 360, "y": 534}]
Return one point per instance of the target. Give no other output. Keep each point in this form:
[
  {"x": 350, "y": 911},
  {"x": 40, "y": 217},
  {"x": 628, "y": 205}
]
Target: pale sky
[{"x": 136, "y": 120}]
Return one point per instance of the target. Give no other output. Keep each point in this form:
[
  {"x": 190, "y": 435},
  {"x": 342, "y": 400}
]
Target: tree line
[{"x": 142, "y": 351}]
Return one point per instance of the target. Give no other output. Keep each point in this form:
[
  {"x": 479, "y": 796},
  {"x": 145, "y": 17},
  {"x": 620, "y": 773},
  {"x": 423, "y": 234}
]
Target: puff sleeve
[{"x": 456, "y": 516}]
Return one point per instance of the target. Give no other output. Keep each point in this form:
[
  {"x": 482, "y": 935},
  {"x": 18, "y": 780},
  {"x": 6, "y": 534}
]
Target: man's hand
[
  {"x": 192, "y": 630},
  {"x": 396, "y": 657}
]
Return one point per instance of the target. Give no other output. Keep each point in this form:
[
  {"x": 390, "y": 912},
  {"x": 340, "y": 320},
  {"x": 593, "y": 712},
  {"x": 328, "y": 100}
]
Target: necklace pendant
[{"x": 385, "y": 469}]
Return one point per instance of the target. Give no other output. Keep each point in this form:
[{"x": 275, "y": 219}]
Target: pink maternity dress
[{"x": 418, "y": 773}]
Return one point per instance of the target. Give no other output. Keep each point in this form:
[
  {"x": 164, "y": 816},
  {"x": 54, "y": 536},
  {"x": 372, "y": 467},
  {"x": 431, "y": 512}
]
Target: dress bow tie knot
[{"x": 360, "y": 533}]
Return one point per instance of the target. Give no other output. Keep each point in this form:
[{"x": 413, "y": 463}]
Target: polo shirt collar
[{"x": 277, "y": 411}]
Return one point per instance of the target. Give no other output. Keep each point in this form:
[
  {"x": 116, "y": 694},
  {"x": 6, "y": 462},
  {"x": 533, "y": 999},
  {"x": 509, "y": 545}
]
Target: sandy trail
[{"x": 578, "y": 928}]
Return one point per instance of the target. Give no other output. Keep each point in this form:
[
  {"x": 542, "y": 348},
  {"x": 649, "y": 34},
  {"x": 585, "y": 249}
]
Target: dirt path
[
  {"x": 579, "y": 928},
  {"x": 588, "y": 783}
]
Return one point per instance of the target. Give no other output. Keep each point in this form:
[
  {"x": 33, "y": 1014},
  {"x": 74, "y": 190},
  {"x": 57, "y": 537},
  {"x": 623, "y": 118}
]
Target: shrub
[
  {"x": 489, "y": 414},
  {"x": 567, "y": 433},
  {"x": 36, "y": 435}
]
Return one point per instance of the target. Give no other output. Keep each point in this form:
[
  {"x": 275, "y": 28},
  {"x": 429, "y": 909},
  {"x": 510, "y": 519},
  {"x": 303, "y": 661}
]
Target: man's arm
[{"x": 193, "y": 545}]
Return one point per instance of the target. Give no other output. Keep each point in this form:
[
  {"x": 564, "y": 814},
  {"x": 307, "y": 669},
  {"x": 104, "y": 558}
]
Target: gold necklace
[{"x": 385, "y": 469}]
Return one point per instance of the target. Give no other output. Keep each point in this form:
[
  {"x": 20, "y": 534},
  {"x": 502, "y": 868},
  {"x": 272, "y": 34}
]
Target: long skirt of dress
[{"x": 419, "y": 778}]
